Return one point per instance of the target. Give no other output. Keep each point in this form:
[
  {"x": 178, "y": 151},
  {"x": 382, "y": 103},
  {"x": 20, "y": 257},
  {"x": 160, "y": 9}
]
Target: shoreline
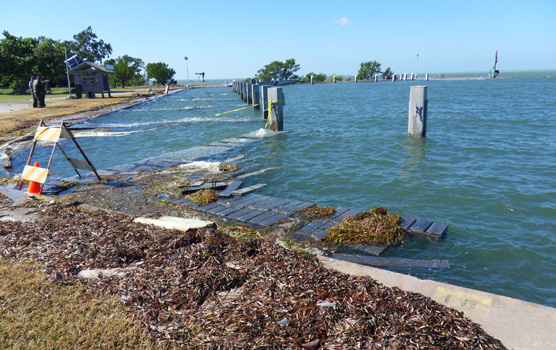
[{"x": 471, "y": 301}]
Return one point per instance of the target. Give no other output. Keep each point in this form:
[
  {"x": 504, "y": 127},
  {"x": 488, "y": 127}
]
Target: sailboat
[{"x": 496, "y": 71}]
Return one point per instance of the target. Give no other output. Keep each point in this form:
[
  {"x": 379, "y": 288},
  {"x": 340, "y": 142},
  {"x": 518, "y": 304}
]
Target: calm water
[{"x": 487, "y": 167}]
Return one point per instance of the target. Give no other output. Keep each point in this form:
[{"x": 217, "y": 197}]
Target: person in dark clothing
[
  {"x": 32, "y": 88},
  {"x": 40, "y": 92}
]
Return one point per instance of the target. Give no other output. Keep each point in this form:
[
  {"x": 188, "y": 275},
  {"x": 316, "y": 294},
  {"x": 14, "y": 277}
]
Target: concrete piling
[
  {"x": 393, "y": 77},
  {"x": 334, "y": 78},
  {"x": 264, "y": 100},
  {"x": 249, "y": 94},
  {"x": 255, "y": 96},
  {"x": 418, "y": 104},
  {"x": 355, "y": 78},
  {"x": 276, "y": 113},
  {"x": 427, "y": 77},
  {"x": 376, "y": 78},
  {"x": 312, "y": 82}
]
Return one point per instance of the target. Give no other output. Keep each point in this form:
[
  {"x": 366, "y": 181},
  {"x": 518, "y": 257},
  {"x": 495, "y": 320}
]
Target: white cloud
[{"x": 343, "y": 21}]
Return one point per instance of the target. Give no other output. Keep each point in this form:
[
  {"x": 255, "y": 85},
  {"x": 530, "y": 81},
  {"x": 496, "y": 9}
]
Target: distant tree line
[
  {"x": 277, "y": 70},
  {"x": 21, "y": 58}
]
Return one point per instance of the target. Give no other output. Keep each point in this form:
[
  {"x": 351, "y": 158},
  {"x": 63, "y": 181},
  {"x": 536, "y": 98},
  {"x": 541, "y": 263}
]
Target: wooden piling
[
  {"x": 418, "y": 103},
  {"x": 276, "y": 118}
]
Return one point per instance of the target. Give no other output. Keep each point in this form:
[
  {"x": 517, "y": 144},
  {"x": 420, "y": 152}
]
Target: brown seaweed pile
[
  {"x": 206, "y": 290},
  {"x": 376, "y": 227}
]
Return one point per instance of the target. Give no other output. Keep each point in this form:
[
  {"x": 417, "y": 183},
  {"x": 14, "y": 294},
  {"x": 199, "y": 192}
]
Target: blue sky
[{"x": 234, "y": 39}]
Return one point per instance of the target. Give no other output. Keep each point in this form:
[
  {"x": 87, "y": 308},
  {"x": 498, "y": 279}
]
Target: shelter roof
[{"x": 88, "y": 65}]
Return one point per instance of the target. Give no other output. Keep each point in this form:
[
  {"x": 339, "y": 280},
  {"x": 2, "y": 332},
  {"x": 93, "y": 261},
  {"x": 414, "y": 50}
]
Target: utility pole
[{"x": 187, "y": 67}]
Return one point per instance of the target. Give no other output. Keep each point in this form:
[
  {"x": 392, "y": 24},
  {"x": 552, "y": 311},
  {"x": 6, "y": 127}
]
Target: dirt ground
[{"x": 18, "y": 116}]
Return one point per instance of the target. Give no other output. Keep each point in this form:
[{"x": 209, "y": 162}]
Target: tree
[
  {"x": 88, "y": 48},
  {"x": 127, "y": 69},
  {"x": 277, "y": 70},
  {"x": 16, "y": 61},
  {"x": 161, "y": 73},
  {"x": 387, "y": 75},
  {"x": 368, "y": 70},
  {"x": 49, "y": 60},
  {"x": 317, "y": 78}
]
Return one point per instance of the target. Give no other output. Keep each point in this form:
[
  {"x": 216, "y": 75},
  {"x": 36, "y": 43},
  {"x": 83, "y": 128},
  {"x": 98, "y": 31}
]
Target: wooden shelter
[{"x": 90, "y": 78}]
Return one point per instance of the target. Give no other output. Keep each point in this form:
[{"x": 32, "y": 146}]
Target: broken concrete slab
[{"x": 172, "y": 222}]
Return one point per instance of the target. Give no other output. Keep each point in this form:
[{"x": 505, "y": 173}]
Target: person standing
[
  {"x": 32, "y": 88},
  {"x": 40, "y": 92}
]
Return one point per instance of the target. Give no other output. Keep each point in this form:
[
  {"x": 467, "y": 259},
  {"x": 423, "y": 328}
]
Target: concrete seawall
[{"x": 518, "y": 324}]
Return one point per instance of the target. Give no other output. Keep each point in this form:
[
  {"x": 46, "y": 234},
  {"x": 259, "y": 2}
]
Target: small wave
[{"x": 109, "y": 133}]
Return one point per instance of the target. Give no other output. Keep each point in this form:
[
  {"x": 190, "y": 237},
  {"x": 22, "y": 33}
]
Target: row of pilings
[{"x": 268, "y": 99}]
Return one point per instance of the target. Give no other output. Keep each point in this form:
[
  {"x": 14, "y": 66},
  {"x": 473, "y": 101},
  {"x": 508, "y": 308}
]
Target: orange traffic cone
[{"x": 34, "y": 187}]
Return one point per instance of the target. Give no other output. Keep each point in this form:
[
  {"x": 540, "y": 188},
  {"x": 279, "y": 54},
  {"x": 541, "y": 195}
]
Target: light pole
[
  {"x": 417, "y": 66},
  {"x": 187, "y": 67}
]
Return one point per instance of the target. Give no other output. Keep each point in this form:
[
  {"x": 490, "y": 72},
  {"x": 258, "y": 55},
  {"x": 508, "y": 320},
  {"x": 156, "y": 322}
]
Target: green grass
[
  {"x": 36, "y": 313},
  {"x": 6, "y": 95}
]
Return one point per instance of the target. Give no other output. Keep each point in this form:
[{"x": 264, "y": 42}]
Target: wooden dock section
[
  {"x": 261, "y": 210},
  {"x": 254, "y": 209}
]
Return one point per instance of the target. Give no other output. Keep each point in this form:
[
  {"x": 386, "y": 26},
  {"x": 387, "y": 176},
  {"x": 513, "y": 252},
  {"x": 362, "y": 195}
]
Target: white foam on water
[{"x": 202, "y": 165}]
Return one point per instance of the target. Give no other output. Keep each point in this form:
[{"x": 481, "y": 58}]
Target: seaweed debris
[
  {"x": 376, "y": 227},
  {"x": 205, "y": 196},
  {"x": 204, "y": 289},
  {"x": 316, "y": 212}
]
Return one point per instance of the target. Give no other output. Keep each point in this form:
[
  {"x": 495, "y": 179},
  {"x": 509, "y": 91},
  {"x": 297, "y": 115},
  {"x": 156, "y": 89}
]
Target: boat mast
[{"x": 496, "y": 72}]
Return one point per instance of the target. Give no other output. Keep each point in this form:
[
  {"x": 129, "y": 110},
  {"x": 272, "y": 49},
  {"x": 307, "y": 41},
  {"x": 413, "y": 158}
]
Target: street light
[
  {"x": 417, "y": 66},
  {"x": 187, "y": 67}
]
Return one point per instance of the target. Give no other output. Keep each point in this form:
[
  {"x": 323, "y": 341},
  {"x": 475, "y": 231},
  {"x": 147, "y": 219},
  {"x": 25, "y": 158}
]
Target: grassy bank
[{"x": 39, "y": 314}]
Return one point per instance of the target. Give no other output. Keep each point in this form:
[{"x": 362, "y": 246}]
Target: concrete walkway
[{"x": 517, "y": 324}]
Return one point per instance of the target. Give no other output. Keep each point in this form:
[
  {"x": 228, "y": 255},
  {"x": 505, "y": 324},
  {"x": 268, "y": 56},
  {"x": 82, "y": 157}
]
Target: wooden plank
[
  {"x": 406, "y": 222},
  {"x": 216, "y": 209},
  {"x": 251, "y": 214},
  {"x": 271, "y": 203},
  {"x": 318, "y": 223},
  {"x": 420, "y": 226},
  {"x": 235, "y": 206},
  {"x": 247, "y": 198},
  {"x": 231, "y": 187},
  {"x": 228, "y": 211},
  {"x": 230, "y": 160},
  {"x": 319, "y": 234},
  {"x": 258, "y": 172},
  {"x": 393, "y": 262},
  {"x": 374, "y": 250},
  {"x": 437, "y": 229},
  {"x": 261, "y": 218},
  {"x": 243, "y": 212},
  {"x": 214, "y": 186},
  {"x": 273, "y": 219},
  {"x": 245, "y": 190}
]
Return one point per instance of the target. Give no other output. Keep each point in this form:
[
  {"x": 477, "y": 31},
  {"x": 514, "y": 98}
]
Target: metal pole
[
  {"x": 67, "y": 71},
  {"x": 417, "y": 66},
  {"x": 187, "y": 67}
]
